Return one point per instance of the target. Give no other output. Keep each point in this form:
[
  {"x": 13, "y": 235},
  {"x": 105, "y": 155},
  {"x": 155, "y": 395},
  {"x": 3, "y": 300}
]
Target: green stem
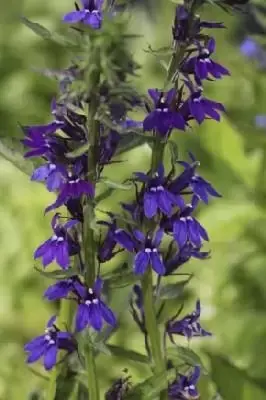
[
  {"x": 64, "y": 321},
  {"x": 89, "y": 243},
  {"x": 151, "y": 323}
]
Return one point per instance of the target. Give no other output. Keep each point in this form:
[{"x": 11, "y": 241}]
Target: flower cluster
[{"x": 158, "y": 228}]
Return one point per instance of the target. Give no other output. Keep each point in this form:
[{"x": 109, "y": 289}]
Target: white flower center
[{"x": 147, "y": 250}]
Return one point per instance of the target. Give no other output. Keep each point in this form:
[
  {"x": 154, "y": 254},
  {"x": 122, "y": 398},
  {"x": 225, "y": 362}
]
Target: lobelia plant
[{"x": 158, "y": 230}]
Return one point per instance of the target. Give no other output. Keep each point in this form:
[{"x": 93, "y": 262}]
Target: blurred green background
[{"x": 231, "y": 285}]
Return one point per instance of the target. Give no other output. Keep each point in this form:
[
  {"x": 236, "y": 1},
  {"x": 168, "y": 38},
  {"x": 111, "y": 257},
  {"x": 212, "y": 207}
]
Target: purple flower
[
  {"x": 188, "y": 179},
  {"x": 53, "y": 174},
  {"x": 182, "y": 256},
  {"x": 187, "y": 229},
  {"x": 200, "y": 108},
  {"x": 156, "y": 196},
  {"x": 47, "y": 345},
  {"x": 189, "y": 326},
  {"x": 108, "y": 146},
  {"x": 91, "y": 14},
  {"x": 145, "y": 247},
  {"x": 73, "y": 187},
  {"x": 106, "y": 249},
  {"x": 250, "y": 48},
  {"x": 184, "y": 387},
  {"x": 202, "y": 66},
  {"x": 60, "y": 246},
  {"x": 92, "y": 311},
  {"x": 164, "y": 117},
  {"x": 260, "y": 121},
  {"x": 184, "y": 29},
  {"x": 62, "y": 288}
]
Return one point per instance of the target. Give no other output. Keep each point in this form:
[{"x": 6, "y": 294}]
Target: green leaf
[
  {"x": 180, "y": 354},
  {"x": 121, "y": 278},
  {"x": 173, "y": 290},
  {"x": 117, "y": 185},
  {"x": 59, "y": 274},
  {"x": 79, "y": 151},
  {"x": 233, "y": 383},
  {"x": 13, "y": 153},
  {"x": 104, "y": 195},
  {"x": 128, "y": 354},
  {"x": 151, "y": 387},
  {"x": 37, "y": 28}
]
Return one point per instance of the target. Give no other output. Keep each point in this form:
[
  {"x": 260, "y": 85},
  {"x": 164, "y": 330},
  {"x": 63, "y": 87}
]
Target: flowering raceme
[{"x": 156, "y": 230}]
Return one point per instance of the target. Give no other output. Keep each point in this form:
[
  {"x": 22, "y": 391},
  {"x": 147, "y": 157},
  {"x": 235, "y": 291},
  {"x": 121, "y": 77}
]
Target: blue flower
[
  {"x": 60, "y": 246},
  {"x": 92, "y": 311},
  {"x": 145, "y": 247},
  {"x": 188, "y": 179},
  {"x": 53, "y": 174},
  {"x": 72, "y": 188},
  {"x": 202, "y": 66},
  {"x": 91, "y": 14},
  {"x": 184, "y": 29},
  {"x": 184, "y": 387},
  {"x": 62, "y": 288},
  {"x": 156, "y": 195},
  {"x": 186, "y": 229},
  {"x": 164, "y": 117},
  {"x": 106, "y": 248},
  {"x": 182, "y": 256},
  {"x": 189, "y": 326},
  {"x": 47, "y": 345},
  {"x": 200, "y": 108},
  {"x": 260, "y": 121}
]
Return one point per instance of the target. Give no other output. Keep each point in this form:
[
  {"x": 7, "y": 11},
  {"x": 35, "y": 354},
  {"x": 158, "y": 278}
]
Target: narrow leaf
[
  {"x": 79, "y": 151},
  {"x": 59, "y": 274},
  {"x": 37, "y": 28},
  {"x": 128, "y": 354},
  {"x": 10, "y": 153},
  {"x": 173, "y": 290},
  {"x": 117, "y": 185}
]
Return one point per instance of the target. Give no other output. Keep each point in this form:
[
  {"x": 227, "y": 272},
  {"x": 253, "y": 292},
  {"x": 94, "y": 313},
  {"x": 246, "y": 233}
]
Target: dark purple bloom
[
  {"x": 62, "y": 288},
  {"x": 164, "y": 117},
  {"x": 92, "y": 311},
  {"x": 54, "y": 175},
  {"x": 73, "y": 187},
  {"x": 186, "y": 229},
  {"x": 60, "y": 246},
  {"x": 47, "y": 345},
  {"x": 185, "y": 29},
  {"x": 184, "y": 387},
  {"x": 189, "y": 326},
  {"x": 200, "y": 108},
  {"x": 188, "y": 179},
  {"x": 156, "y": 195},
  {"x": 91, "y": 14},
  {"x": 145, "y": 247},
  {"x": 106, "y": 249},
  {"x": 202, "y": 66},
  {"x": 183, "y": 256},
  {"x": 108, "y": 146}
]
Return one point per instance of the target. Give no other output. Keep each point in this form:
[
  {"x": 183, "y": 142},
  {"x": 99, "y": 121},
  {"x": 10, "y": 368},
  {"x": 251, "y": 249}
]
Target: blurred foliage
[{"x": 231, "y": 285}]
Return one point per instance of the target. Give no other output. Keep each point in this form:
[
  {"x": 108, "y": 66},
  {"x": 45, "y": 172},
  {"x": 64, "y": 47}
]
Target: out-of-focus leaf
[
  {"x": 180, "y": 354},
  {"x": 233, "y": 383},
  {"x": 59, "y": 274},
  {"x": 173, "y": 290},
  {"x": 37, "y": 28},
  {"x": 128, "y": 354},
  {"x": 13, "y": 153}
]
